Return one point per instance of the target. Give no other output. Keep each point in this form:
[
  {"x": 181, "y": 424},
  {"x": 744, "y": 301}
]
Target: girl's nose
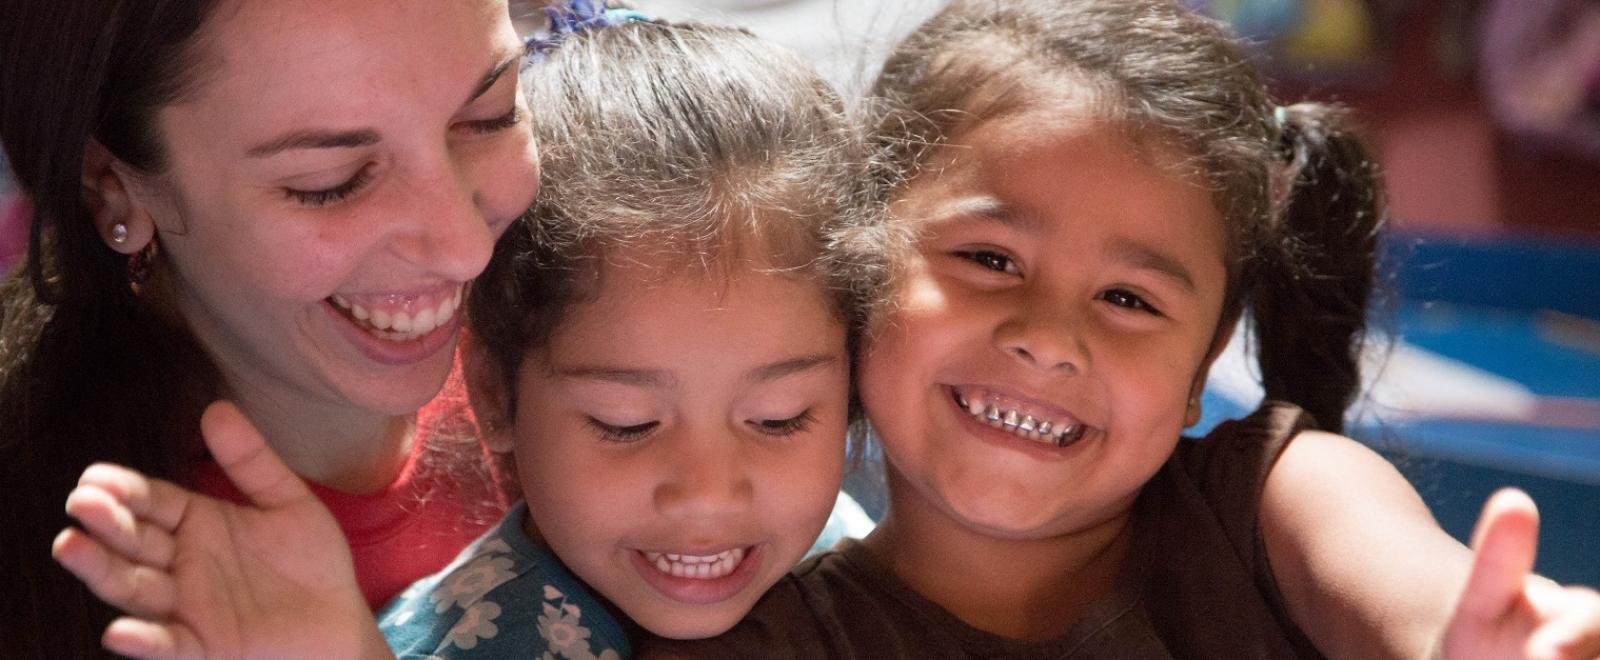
[
  {"x": 706, "y": 479},
  {"x": 1049, "y": 340}
]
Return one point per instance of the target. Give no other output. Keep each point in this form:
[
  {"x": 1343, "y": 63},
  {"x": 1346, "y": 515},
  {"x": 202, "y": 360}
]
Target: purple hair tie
[{"x": 577, "y": 16}]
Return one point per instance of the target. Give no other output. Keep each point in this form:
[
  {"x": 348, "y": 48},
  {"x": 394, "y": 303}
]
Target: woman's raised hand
[{"x": 199, "y": 577}]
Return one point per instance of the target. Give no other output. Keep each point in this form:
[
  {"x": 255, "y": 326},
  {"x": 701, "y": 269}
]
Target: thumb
[
  {"x": 1504, "y": 546},
  {"x": 247, "y": 460}
]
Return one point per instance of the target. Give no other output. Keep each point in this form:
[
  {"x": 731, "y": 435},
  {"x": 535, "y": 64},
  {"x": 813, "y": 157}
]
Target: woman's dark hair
[
  {"x": 1298, "y": 193},
  {"x": 700, "y": 142},
  {"x": 87, "y": 372}
]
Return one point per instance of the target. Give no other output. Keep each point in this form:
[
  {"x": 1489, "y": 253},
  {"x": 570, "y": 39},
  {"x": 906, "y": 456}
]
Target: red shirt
[{"x": 409, "y": 529}]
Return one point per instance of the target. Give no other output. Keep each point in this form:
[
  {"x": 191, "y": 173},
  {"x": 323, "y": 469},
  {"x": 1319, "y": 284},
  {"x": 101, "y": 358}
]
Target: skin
[
  {"x": 1023, "y": 288},
  {"x": 433, "y": 158},
  {"x": 1054, "y": 263},
  {"x": 717, "y": 424}
]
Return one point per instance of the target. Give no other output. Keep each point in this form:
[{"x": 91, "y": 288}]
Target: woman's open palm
[{"x": 199, "y": 577}]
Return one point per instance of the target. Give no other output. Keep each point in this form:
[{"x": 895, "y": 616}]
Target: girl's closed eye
[
  {"x": 623, "y": 434},
  {"x": 785, "y": 427},
  {"x": 332, "y": 195}
]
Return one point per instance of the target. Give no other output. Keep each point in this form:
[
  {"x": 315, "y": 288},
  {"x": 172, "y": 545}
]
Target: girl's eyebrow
[
  {"x": 656, "y": 378},
  {"x": 665, "y": 379},
  {"x": 984, "y": 208},
  {"x": 791, "y": 366},
  {"x": 1144, "y": 257}
]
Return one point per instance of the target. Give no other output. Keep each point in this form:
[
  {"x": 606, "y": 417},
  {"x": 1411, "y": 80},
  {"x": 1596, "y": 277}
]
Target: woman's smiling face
[
  {"x": 1055, "y": 319},
  {"x": 337, "y": 173}
]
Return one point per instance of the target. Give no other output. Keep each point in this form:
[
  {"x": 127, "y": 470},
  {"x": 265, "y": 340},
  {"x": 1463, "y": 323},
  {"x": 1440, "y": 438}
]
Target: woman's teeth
[
  {"x": 1044, "y": 431},
  {"x": 697, "y": 567},
  {"x": 399, "y": 325}
]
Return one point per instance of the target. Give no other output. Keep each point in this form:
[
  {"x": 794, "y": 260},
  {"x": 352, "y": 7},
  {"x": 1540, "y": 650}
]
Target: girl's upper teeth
[
  {"x": 697, "y": 566},
  {"x": 1023, "y": 424}
]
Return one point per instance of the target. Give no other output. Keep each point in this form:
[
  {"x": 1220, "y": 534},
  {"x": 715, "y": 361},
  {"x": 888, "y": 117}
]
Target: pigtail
[{"x": 1313, "y": 274}]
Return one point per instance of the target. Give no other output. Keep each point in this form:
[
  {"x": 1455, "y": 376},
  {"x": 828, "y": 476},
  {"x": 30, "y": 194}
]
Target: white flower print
[
  {"x": 468, "y": 584},
  {"x": 560, "y": 628},
  {"x": 476, "y": 623}
]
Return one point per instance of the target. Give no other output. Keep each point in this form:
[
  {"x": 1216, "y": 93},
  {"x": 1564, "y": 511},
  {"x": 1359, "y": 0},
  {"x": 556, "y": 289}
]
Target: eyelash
[
  {"x": 334, "y": 195},
  {"x": 785, "y": 427},
  {"x": 1128, "y": 300},
  {"x": 622, "y": 434},
  {"x": 773, "y": 427},
  {"x": 497, "y": 124},
  {"x": 990, "y": 259}
]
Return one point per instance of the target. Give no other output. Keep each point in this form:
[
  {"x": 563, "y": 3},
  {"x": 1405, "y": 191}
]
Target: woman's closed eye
[
  {"x": 630, "y": 433},
  {"x": 333, "y": 195},
  {"x": 495, "y": 125},
  {"x": 785, "y": 427}
]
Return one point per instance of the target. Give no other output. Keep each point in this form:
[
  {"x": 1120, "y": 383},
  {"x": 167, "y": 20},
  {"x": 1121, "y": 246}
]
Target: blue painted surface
[{"x": 1512, "y": 272}]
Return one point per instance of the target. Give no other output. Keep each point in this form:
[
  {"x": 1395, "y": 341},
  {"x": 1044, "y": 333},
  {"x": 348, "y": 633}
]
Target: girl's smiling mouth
[
  {"x": 699, "y": 579},
  {"x": 1046, "y": 426}
]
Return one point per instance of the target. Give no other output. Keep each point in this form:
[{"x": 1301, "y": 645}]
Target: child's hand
[
  {"x": 1508, "y": 612},
  {"x": 199, "y": 577}
]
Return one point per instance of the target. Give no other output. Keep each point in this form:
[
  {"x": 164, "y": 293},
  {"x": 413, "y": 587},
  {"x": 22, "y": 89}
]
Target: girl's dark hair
[
  {"x": 87, "y": 372},
  {"x": 1299, "y": 195},
  {"x": 701, "y": 143}
]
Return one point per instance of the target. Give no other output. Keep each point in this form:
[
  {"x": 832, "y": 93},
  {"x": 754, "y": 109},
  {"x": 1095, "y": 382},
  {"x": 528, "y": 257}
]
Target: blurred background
[{"x": 1485, "y": 360}]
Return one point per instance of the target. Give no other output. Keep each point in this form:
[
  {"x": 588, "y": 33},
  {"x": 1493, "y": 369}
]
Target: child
[
  {"x": 664, "y": 344},
  {"x": 1099, "y": 189}
]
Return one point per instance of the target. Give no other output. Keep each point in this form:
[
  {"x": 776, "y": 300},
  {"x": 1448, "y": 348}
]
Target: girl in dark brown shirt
[{"x": 1101, "y": 190}]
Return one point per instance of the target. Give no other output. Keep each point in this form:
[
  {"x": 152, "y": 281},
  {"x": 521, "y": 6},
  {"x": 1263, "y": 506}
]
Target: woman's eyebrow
[
  {"x": 492, "y": 77},
  {"x": 334, "y": 139},
  {"x": 316, "y": 139}
]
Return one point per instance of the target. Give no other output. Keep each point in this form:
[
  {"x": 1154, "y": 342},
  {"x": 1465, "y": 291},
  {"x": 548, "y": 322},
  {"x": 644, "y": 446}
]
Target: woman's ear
[
  {"x": 486, "y": 390},
  {"x": 119, "y": 216}
]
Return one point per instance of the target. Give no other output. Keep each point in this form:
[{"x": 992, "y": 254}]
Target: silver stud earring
[{"x": 119, "y": 233}]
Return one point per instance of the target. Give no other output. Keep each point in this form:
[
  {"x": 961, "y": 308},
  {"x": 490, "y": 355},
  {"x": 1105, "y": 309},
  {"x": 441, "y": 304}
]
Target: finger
[
  {"x": 1572, "y": 629},
  {"x": 246, "y": 458},
  {"x": 154, "y": 500},
  {"x": 137, "y": 638},
  {"x": 133, "y": 588},
  {"x": 115, "y": 525},
  {"x": 1504, "y": 546}
]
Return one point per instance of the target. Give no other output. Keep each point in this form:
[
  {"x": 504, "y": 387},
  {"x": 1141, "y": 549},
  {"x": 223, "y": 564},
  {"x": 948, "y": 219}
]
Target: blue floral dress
[{"x": 502, "y": 597}]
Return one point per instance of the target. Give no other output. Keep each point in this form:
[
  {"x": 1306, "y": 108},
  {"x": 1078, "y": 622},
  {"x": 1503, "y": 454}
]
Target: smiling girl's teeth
[
  {"x": 399, "y": 325},
  {"x": 697, "y": 567},
  {"x": 1044, "y": 431}
]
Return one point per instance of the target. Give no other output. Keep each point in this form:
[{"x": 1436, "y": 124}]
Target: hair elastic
[
  {"x": 577, "y": 16},
  {"x": 1280, "y": 116}
]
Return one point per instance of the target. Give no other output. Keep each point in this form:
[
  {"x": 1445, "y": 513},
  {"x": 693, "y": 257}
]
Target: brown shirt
[{"x": 1196, "y": 583}]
